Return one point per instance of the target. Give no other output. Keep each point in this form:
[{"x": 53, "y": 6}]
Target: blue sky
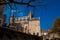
[{"x": 47, "y": 13}]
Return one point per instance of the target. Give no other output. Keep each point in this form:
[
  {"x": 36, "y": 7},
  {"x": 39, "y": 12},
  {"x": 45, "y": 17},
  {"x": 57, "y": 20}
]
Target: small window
[
  {"x": 37, "y": 33},
  {"x": 33, "y": 33},
  {"x": 26, "y": 28}
]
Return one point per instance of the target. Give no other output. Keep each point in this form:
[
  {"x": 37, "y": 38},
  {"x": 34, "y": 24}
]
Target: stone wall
[{"x": 7, "y": 34}]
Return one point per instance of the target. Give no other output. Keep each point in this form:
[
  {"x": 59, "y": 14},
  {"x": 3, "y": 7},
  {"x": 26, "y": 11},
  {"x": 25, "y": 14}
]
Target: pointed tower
[{"x": 30, "y": 15}]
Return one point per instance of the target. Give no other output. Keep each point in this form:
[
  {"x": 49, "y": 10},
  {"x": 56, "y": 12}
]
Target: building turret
[{"x": 30, "y": 15}]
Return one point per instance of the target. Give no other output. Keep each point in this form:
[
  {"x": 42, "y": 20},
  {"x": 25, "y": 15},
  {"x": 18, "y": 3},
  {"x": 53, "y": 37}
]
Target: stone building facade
[
  {"x": 29, "y": 24},
  {"x": 51, "y": 36},
  {"x": 8, "y": 34}
]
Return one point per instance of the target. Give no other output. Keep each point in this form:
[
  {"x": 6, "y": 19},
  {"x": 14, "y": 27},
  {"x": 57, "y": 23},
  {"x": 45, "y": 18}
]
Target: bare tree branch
[
  {"x": 31, "y": 1},
  {"x": 15, "y": 2}
]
